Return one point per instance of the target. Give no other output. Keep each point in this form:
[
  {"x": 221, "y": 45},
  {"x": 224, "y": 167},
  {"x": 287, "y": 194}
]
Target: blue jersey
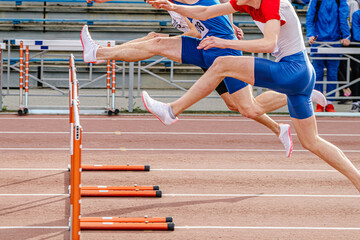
[
  {"x": 218, "y": 26},
  {"x": 331, "y": 24},
  {"x": 356, "y": 26}
]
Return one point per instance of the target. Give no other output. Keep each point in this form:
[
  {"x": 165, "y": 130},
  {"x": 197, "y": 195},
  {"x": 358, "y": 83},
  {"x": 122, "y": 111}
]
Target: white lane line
[
  {"x": 32, "y": 195},
  {"x": 204, "y": 227},
  {"x": 264, "y": 228},
  {"x": 259, "y": 195},
  {"x": 187, "y": 170},
  {"x": 209, "y": 195},
  {"x": 182, "y": 133},
  {"x": 229, "y": 119},
  {"x": 35, "y": 169},
  {"x": 34, "y": 132},
  {"x": 34, "y": 149},
  {"x": 123, "y": 149},
  {"x": 241, "y": 170},
  {"x": 34, "y": 227}
]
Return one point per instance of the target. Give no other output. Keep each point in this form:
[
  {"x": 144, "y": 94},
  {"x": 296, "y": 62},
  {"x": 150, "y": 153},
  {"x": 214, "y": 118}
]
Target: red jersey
[
  {"x": 290, "y": 39},
  {"x": 269, "y": 9}
]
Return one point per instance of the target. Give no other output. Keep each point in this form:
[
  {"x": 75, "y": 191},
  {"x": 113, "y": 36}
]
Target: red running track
[{"x": 253, "y": 190}]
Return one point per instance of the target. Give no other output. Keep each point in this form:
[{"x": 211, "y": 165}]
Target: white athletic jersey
[
  {"x": 290, "y": 38},
  {"x": 179, "y": 22}
]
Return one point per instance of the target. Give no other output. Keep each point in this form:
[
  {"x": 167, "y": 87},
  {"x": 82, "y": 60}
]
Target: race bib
[
  {"x": 200, "y": 27},
  {"x": 179, "y": 22}
]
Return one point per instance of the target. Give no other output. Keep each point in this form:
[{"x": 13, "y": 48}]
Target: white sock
[{"x": 172, "y": 115}]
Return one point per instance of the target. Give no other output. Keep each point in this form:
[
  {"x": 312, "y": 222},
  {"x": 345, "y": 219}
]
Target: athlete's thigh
[
  {"x": 169, "y": 47},
  {"x": 239, "y": 67}
]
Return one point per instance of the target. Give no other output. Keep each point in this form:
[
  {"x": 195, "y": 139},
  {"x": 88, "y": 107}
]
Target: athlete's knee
[
  {"x": 156, "y": 44},
  {"x": 248, "y": 111},
  {"x": 221, "y": 64},
  {"x": 310, "y": 144},
  {"x": 231, "y": 107},
  {"x": 151, "y": 35}
]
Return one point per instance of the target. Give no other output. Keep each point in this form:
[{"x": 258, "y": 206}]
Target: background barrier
[
  {"x": 2, "y": 46},
  {"x": 147, "y": 72}
]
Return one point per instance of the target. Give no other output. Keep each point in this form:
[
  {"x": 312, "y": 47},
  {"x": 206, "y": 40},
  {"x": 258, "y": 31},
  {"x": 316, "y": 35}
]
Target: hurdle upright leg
[
  {"x": 21, "y": 79},
  {"x": 108, "y": 72},
  {"x": 26, "y": 110},
  {"x": 113, "y": 88}
]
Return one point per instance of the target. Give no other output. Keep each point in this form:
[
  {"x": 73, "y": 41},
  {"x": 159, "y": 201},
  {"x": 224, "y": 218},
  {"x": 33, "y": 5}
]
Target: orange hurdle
[
  {"x": 23, "y": 109},
  {"x": 76, "y": 139},
  {"x": 119, "y": 193},
  {"x": 126, "y": 226},
  {"x": 115, "y": 168},
  {"x": 127, "y": 219},
  {"x": 125, "y": 188},
  {"x": 78, "y": 223}
]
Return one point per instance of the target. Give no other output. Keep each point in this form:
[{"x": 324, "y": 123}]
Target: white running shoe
[
  {"x": 318, "y": 98},
  {"x": 90, "y": 47},
  {"x": 158, "y": 109},
  {"x": 285, "y": 138}
]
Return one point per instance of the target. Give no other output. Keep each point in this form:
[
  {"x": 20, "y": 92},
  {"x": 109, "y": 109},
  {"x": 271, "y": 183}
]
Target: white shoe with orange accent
[
  {"x": 285, "y": 138},
  {"x": 90, "y": 47},
  {"x": 158, "y": 109},
  {"x": 318, "y": 98}
]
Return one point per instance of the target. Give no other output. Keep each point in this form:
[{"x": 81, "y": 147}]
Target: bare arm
[
  {"x": 267, "y": 44},
  {"x": 196, "y": 12},
  {"x": 193, "y": 31}
]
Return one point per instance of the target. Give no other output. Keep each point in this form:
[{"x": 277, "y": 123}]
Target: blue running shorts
[
  {"x": 205, "y": 58},
  {"x": 294, "y": 76}
]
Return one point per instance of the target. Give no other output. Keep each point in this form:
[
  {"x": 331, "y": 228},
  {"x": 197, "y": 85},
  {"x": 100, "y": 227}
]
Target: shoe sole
[
  {"x": 82, "y": 43},
  {"x": 321, "y": 94},
  {"x": 291, "y": 142},
  {"x": 142, "y": 96}
]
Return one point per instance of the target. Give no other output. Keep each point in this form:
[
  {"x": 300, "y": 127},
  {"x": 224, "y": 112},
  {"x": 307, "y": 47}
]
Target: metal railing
[{"x": 346, "y": 53}]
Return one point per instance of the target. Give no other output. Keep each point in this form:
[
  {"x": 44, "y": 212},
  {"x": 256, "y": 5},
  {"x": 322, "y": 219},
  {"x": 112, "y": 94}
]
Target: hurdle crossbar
[
  {"x": 127, "y": 219},
  {"x": 115, "y": 168},
  {"x": 120, "y": 193},
  {"x": 124, "y": 188},
  {"x": 126, "y": 226}
]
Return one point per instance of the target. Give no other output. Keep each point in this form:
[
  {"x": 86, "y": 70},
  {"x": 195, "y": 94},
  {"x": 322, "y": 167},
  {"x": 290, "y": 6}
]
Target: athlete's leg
[
  {"x": 164, "y": 46},
  {"x": 245, "y": 102},
  {"x": 150, "y": 35},
  {"x": 307, "y": 133},
  {"x": 226, "y": 97},
  {"x": 239, "y": 67},
  {"x": 131, "y": 52}
]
